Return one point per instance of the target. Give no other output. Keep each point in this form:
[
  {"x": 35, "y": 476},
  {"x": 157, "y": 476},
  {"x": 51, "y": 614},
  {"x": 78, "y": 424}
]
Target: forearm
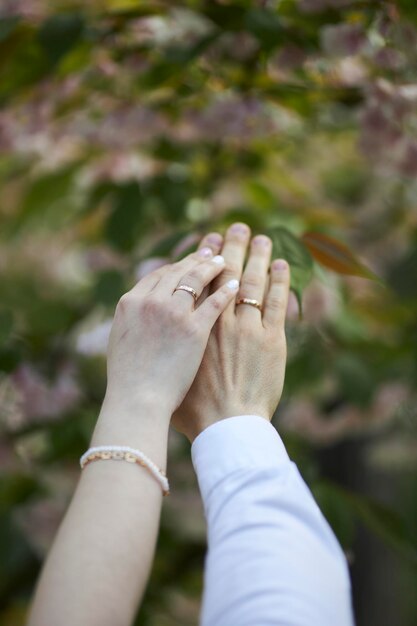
[
  {"x": 97, "y": 569},
  {"x": 272, "y": 557}
]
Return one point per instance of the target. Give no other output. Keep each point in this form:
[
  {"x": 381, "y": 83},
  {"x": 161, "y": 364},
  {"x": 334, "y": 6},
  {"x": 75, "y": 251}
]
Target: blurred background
[{"x": 128, "y": 129}]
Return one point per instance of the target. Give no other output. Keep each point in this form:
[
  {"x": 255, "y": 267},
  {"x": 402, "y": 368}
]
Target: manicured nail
[
  {"x": 233, "y": 284},
  {"x": 279, "y": 265},
  {"x": 261, "y": 241},
  {"x": 205, "y": 252},
  {"x": 218, "y": 259},
  {"x": 239, "y": 229},
  {"x": 215, "y": 239}
]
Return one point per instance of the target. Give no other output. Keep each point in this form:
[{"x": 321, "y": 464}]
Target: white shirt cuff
[{"x": 240, "y": 442}]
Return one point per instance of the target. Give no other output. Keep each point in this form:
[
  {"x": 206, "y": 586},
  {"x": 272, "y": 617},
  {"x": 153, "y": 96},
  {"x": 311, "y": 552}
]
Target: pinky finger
[
  {"x": 277, "y": 297},
  {"x": 213, "y": 306}
]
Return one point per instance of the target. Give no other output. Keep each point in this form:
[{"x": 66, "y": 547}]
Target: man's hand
[{"x": 243, "y": 368}]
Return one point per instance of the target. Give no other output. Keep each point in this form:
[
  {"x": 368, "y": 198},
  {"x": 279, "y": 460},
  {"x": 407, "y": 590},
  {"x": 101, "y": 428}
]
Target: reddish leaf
[{"x": 335, "y": 255}]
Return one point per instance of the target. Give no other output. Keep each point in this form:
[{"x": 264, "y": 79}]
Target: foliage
[{"x": 127, "y": 129}]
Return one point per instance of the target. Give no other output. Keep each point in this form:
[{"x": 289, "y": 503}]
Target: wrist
[
  {"x": 207, "y": 418},
  {"x": 143, "y": 426}
]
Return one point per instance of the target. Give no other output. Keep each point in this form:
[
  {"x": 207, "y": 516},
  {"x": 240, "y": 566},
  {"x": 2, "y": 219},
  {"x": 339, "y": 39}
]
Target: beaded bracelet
[{"x": 125, "y": 453}]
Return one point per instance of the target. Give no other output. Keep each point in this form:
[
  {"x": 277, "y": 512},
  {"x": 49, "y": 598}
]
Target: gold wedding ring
[
  {"x": 251, "y": 302},
  {"x": 188, "y": 289}
]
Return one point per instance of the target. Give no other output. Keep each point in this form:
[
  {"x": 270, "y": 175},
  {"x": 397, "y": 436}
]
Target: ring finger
[
  {"x": 254, "y": 279},
  {"x": 192, "y": 284}
]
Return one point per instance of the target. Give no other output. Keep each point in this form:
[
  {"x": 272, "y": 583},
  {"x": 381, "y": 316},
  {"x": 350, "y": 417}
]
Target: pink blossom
[
  {"x": 351, "y": 71},
  {"x": 343, "y": 39},
  {"x": 42, "y": 399},
  {"x": 11, "y": 414},
  {"x": 304, "y": 417},
  {"x": 408, "y": 160},
  {"x": 9, "y": 461},
  {"x": 122, "y": 166},
  {"x": 292, "y": 313},
  {"x": 387, "y": 113},
  {"x": 122, "y": 128},
  {"x": 320, "y": 302},
  {"x": 149, "y": 265},
  {"x": 229, "y": 118},
  {"x": 316, "y": 6},
  {"x": 186, "y": 242},
  {"x": 29, "y": 9},
  {"x": 388, "y": 400},
  {"x": 39, "y": 522},
  {"x": 289, "y": 57},
  {"x": 388, "y": 58},
  {"x": 94, "y": 342},
  {"x": 240, "y": 46}
]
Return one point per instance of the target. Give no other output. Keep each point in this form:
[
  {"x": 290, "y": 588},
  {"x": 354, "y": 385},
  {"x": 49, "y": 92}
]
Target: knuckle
[
  {"x": 250, "y": 330},
  {"x": 216, "y": 303},
  {"x": 126, "y": 302},
  {"x": 232, "y": 269},
  {"x": 277, "y": 302},
  {"x": 276, "y": 339},
  {"x": 194, "y": 329},
  {"x": 151, "y": 306},
  {"x": 251, "y": 280},
  {"x": 176, "y": 317},
  {"x": 193, "y": 277}
]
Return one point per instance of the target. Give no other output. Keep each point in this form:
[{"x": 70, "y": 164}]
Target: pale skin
[{"x": 232, "y": 363}]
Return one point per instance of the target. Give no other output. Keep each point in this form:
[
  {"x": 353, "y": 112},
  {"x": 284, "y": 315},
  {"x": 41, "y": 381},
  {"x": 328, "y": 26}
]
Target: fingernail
[
  {"x": 205, "y": 252},
  {"x": 215, "y": 239},
  {"x": 279, "y": 265},
  {"x": 261, "y": 240},
  {"x": 218, "y": 259},
  {"x": 239, "y": 228},
  {"x": 233, "y": 284}
]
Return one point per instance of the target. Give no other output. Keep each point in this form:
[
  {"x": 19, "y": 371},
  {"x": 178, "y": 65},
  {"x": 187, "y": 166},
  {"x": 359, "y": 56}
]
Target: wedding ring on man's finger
[
  {"x": 251, "y": 302},
  {"x": 188, "y": 289}
]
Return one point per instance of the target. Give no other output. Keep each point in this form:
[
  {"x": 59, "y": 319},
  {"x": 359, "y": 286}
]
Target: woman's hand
[
  {"x": 243, "y": 368},
  {"x": 158, "y": 337},
  {"x": 104, "y": 549}
]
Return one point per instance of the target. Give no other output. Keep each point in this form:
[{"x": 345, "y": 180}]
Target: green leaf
[
  {"x": 165, "y": 246},
  {"x": 123, "y": 227},
  {"x": 181, "y": 55},
  {"x": 242, "y": 214},
  {"x": 18, "y": 562},
  {"x": 262, "y": 197},
  {"x": 408, "y": 8},
  {"x": 346, "y": 183},
  {"x": 171, "y": 195},
  {"x": 48, "y": 318},
  {"x": 354, "y": 377},
  {"x": 16, "y": 489},
  {"x": 48, "y": 201},
  {"x": 10, "y": 357},
  {"x": 382, "y": 520},
  {"x": 266, "y": 26},
  {"x": 109, "y": 288},
  {"x": 8, "y": 26},
  {"x": 59, "y": 34},
  {"x": 402, "y": 275},
  {"x": 289, "y": 247},
  {"x": 6, "y": 325},
  {"x": 228, "y": 17},
  {"x": 22, "y": 61},
  {"x": 337, "y": 511}
]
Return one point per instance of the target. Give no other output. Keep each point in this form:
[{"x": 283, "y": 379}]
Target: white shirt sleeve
[{"x": 272, "y": 558}]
